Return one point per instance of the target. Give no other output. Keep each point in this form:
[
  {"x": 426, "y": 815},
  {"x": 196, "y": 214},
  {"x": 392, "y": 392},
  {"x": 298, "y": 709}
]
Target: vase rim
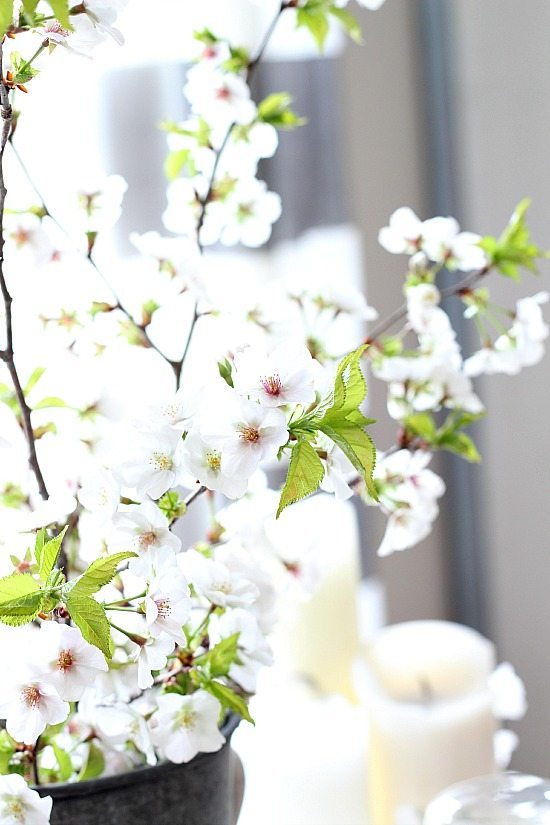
[{"x": 66, "y": 790}]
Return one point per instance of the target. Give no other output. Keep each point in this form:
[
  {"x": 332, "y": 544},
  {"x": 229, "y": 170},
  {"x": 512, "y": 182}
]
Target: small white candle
[
  {"x": 431, "y": 722},
  {"x": 318, "y": 637}
]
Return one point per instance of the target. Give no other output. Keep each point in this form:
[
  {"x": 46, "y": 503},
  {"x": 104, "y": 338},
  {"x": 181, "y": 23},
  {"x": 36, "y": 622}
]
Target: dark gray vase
[{"x": 205, "y": 791}]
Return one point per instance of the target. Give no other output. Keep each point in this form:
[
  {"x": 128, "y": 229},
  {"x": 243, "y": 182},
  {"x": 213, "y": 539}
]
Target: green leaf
[
  {"x": 461, "y": 444},
  {"x": 30, "y": 5},
  {"x": 47, "y": 553},
  {"x": 313, "y": 16},
  {"x": 172, "y": 505},
  {"x": 176, "y": 162},
  {"x": 90, "y": 617},
  {"x": 350, "y": 387},
  {"x": 348, "y": 21},
  {"x": 61, "y": 10},
  {"x": 94, "y": 764},
  {"x": 514, "y": 249},
  {"x": 48, "y": 403},
  {"x": 223, "y": 655},
  {"x": 276, "y": 110},
  {"x": 6, "y": 16},
  {"x": 422, "y": 425},
  {"x": 20, "y": 599},
  {"x": 305, "y": 473},
  {"x": 228, "y": 699},
  {"x": 64, "y": 762},
  {"x": 357, "y": 446},
  {"x": 100, "y": 572},
  {"x": 239, "y": 60},
  {"x": 225, "y": 369},
  {"x": 35, "y": 377}
]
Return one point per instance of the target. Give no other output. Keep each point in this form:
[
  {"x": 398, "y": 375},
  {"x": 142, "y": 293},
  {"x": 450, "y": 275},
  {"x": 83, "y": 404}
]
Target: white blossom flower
[
  {"x": 186, "y": 725},
  {"x": 26, "y": 233},
  {"x": 178, "y": 258},
  {"x": 203, "y": 460},
  {"x": 93, "y": 22},
  {"x": 121, "y": 723},
  {"x": 403, "y": 233},
  {"x": 144, "y": 529},
  {"x": 246, "y": 434},
  {"x": 254, "y": 651},
  {"x": 339, "y": 471},
  {"x": 70, "y": 662},
  {"x": 29, "y": 704},
  {"x": 220, "y": 98},
  {"x": 184, "y": 208},
  {"x": 281, "y": 376},
  {"x": 152, "y": 655},
  {"x": 508, "y": 691},
  {"x": 443, "y": 242},
  {"x": 154, "y": 462},
  {"x": 167, "y": 604},
  {"x": 100, "y": 493},
  {"x": 245, "y": 216},
  {"x": 406, "y": 527},
  {"x": 216, "y": 582},
  {"x": 19, "y": 805},
  {"x": 100, "y": 203}
]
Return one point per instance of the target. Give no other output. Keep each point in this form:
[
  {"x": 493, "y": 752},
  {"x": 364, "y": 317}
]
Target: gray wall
[{"x": 499, "y": 58}]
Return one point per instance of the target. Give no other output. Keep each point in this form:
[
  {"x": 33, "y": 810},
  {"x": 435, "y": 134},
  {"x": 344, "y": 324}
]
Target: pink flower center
[
  {"x": 31, "y": 696},
  {"x": 223, "y": 93},
  {"x": 272, "y": 385},
  {"x": 250, "y": 434},
  {"x": 65, "y": 660},
  {"x": 164, "y": 608},
  {"x": 147, "y": 539}
]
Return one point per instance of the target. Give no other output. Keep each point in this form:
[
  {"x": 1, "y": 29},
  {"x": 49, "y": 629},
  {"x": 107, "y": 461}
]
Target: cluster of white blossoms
[{"x": 141, "y": 637}]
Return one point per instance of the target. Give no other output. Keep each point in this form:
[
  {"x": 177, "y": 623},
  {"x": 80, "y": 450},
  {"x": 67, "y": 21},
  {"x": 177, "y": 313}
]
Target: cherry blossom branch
[
  {"x": 205, "y": 200},
  {"x": 147, "y": 341},
  {"x": 7, "y": 354},
  {"x": 401, "y": 312}
]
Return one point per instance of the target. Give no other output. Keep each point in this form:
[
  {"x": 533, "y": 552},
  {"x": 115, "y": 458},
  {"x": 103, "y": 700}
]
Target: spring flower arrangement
[{"x": 124, "y": 641}]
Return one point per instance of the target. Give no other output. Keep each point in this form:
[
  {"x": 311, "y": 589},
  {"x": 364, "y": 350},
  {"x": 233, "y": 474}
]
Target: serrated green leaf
[
  {"x": 514, "y": 249},
  {"x": 100, "y": 572},
  {"x": 357, "y": 446},
  {"x": 461, "y": 444},
  {"x": 305, "y": 473},
  {"x": 348, "y": 21},
  {"x": 228, "y": 699},
  {"x": 47, "y": 553},
  {"x": 20, "y": 599},
  {"x": 223, "y": 655},
  {"x": 90, "y": 617},
  {"x": 350, "y": 387},
  {"x": 94, "y": 764}
]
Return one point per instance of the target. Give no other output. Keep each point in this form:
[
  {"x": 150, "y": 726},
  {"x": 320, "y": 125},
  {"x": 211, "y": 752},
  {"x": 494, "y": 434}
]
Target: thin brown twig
[{"x": 7, "y": 354}]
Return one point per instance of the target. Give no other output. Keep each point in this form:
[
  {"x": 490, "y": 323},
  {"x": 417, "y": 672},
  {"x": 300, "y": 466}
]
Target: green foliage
[
  {"x": 172, "y": 505},
  {"x": 276, "y": 110},
  {"x": 238, "y": 62},
  {"x": 22, "y": 71},
  {"x": 222, "y": 656},
  {"x": 94, "y": 763},
  {"x": 178, "y": 162},
  {"x": 61, "y": 10},
  {"x": 6, "y": 16},
  {"x": 47, "y": 552},
  {"x": 64, "y": 763},
  {"x": 7, "y": 750},
  {"x": 206, "y": 36},
  {"x": 12, "y": 496},
  {"x": 20, "y": 599},
  {"x": 49, "y": 403},
  {"x": 313, "y": 15},
  {"x": 514, "y": 249},
  {"x": 305, "y": 473},
  {"x": 225, "y": 368},
  {"x": 90, "y": 617},
  {"x": 100, "y": 572},
  {"x": 344, "y": 423},
  {"x": 449, "y": 436},
  {"x": 228, "y": 698},
  {"x": 348, "y": 21}
]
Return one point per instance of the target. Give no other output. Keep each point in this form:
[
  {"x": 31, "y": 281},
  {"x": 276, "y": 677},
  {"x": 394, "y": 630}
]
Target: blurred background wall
[{"x": 448, "y": 110}]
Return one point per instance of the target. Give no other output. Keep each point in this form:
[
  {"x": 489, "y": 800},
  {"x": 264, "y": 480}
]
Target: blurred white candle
[
  {"x": 431, "y": 722},
  {"x": 318, "y": 635}
]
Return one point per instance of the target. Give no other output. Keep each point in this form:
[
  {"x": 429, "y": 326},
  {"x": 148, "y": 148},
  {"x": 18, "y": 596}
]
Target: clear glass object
[{"x": 504, "y": 799}]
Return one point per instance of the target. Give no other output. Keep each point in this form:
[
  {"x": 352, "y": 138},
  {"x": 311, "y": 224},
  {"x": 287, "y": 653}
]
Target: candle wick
[{"x": 426, "y": 690}]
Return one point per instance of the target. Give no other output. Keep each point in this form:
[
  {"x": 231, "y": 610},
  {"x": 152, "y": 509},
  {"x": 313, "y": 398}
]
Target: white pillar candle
[
  {"x": 318, "y": 635},
  {"x": 431, "y": 722}
]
